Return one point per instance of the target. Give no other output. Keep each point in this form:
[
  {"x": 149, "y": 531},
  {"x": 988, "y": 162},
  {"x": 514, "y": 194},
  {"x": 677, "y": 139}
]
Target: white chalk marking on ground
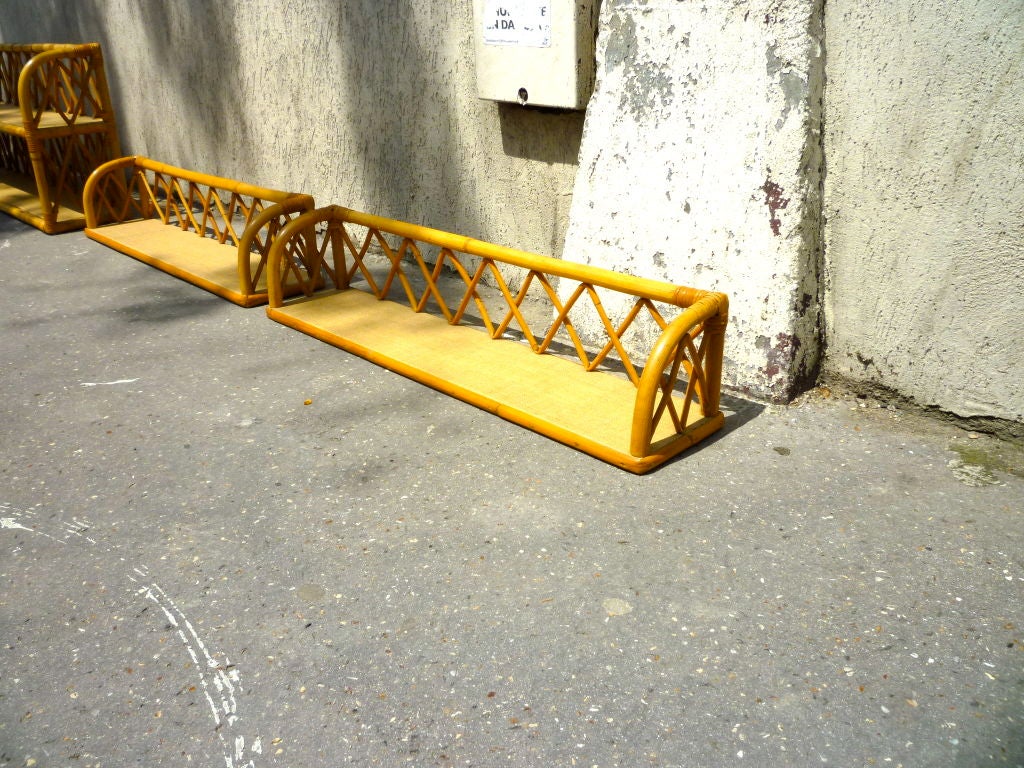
[
  {"x": 224, "y": 676},
  {"x": 107, "y": 383}
]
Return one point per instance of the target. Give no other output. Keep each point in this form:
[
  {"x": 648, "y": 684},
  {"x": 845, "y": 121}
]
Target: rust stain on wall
[
  {"x": 776, "y": 202},
  {"x": 779, "y": 356}
]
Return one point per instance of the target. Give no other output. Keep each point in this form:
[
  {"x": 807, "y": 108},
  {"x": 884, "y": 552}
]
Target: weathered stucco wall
[
  {"x": 701, "y": 164},
  {"x": 925, "y": 201},
  {"x": 366, "y": 103},
  {"x": 701, "y": 159}
]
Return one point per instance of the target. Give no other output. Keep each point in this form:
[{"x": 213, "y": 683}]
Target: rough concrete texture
[
  {"x": 223, "y": 543},
  {"x": 701, "y": 164},
  {"x": 924, "y": 201},
  {"x": 369, "y": 104}
]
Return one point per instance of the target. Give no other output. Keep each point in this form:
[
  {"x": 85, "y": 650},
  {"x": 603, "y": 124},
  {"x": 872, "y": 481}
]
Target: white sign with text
[{"x": 518, "y": 22}]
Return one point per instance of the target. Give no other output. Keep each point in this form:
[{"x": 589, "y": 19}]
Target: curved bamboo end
[
  {"x": 273, "y": 217},
  {"x": 92, "y": 182},
  {"x": 711, "y": 311},
  {"x": 43, "y": 54},
  {"x": 301, "y": 226}
]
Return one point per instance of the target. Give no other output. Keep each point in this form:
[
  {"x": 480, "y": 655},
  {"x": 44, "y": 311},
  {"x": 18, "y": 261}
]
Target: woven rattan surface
[
  {"x": 199, "y": 260},
  {"x": 598, "y": 409}
]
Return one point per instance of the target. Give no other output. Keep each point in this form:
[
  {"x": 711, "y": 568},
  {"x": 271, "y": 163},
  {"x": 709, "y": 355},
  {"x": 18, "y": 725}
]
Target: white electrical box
[{"x": 535, "y": 52}]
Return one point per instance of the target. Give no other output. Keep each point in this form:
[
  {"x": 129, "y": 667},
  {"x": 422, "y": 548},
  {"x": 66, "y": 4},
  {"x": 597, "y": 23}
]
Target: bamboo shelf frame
[
  {"x": 406, "y": 297},
  {"x": 56, "y": 126},
  {"x": 211, "y": 231}
]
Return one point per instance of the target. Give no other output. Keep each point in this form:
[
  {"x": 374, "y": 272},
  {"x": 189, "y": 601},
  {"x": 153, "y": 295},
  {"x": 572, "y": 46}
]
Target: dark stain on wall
[
  {"x": 785, "y": 376},
  {"x": 780, "y": 355},
  {"x": 865, "y": 361},
  {"x": 775, "y": 201}
]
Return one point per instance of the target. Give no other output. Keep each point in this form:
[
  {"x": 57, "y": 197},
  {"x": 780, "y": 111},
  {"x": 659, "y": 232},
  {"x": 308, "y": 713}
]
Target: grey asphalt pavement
[{"x": 223, "y": 543}]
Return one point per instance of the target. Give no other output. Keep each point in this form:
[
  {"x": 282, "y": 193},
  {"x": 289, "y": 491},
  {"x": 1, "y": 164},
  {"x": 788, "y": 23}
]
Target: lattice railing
[
  {"x": 67, "y": 86},
  {"x": 67, "y": 163},
  {"x": 13, "y": 156},
  {"x": 58, "y": 125},
  {"x": 218, "y": 214},
  {"x": 68, "y": 80},
  {"x": 12, "y": 60},
  {"x": 209, "y": 206},
  {"x": 553, "y": 301},
  {"x": 226, "y": 211}
]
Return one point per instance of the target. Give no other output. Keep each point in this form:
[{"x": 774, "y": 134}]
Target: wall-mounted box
[{"x": 535, "y": 52}]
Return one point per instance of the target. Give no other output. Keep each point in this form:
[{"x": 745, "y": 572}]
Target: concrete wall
[
  {"x": 701, "y": 161},
  {"x": 925, "y": 201},
  {"x": 701, "y": 164},
  {"x": 366, "y": 103}
]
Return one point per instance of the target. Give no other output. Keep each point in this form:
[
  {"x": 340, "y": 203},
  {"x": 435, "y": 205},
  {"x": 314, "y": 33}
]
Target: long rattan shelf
[{"x": 407, "y": 297}]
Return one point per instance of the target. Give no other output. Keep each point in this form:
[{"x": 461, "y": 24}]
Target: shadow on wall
[
  {"x": 551, "y": 136},
  {"x": 381, "y": 91},
  {"x": 200, "y": 82},
  {"x": 411, "y": 77},
  {"x": 398, "y": 107},
  {"x": 206, "y": 31},
  {"x": 54, "y": 21}
]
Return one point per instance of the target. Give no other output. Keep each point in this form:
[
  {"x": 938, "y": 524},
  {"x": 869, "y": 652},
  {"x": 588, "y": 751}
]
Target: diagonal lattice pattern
[
  {"x": 204, "y": 208},
  {"x": 12, "y": 61},
  {"x": 68, "y": 88},
  {"x": 463, "y": 287},
  {"x": 68, "y": 162},
  {"x": 68, "y": 81}
]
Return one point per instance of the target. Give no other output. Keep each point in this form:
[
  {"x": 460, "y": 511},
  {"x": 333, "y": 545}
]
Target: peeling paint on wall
[{"x": 676, "y": 172}]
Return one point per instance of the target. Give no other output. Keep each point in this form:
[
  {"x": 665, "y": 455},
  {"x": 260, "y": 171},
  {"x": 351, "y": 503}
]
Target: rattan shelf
[
  {"x": 56, "y": 126},
  {"x": 407, "y": 297},
  {"x": 211, "y": 231}
]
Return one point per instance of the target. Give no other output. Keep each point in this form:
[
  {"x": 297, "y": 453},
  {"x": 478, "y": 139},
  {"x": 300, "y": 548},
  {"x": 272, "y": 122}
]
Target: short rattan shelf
[{"x": 211, "y": 231}]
